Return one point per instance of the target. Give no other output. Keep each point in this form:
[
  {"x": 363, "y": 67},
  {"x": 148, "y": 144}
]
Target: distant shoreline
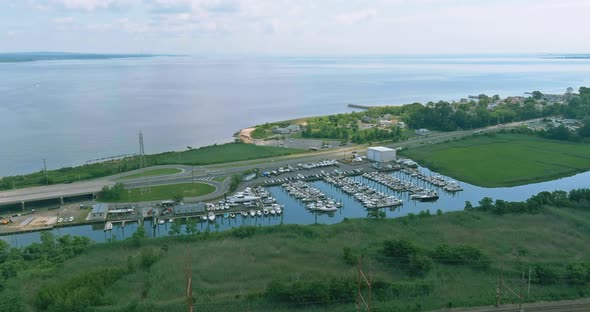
[{"x": 63, "y": 56}]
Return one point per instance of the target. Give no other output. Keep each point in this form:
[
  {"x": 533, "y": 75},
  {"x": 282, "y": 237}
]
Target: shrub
[
  {"x": 460, "y": 255},
  {"x": 544, "y": 275},
  {"x": 311, "y": 291},
  {"x": 578, "y": 273},
  {"x": 348, "y": 256}
]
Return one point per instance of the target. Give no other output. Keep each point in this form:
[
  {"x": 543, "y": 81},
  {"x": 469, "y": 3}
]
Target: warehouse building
[{"x": 380, "y": 154}]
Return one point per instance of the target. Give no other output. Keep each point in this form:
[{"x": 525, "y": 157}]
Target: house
[
  {"x": 99, "y": 212},
  {"x": 385, "y": 123},
  {"x": 287, "y": 130}
]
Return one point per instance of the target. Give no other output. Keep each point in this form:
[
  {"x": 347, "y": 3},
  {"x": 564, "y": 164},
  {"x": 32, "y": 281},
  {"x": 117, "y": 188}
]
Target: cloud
[
  {"x": 356, "y": 17},
  {"x": 85, "y": 5},
  {"x": 63, "y": 20}
]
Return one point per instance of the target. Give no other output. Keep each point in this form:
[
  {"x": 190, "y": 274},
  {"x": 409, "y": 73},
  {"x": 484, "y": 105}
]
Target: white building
[{"x": 380, "y": 154}]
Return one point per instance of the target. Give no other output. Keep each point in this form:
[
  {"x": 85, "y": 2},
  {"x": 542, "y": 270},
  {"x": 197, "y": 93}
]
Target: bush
[
  {"x": 409, "y": 256},
  {"x": 578, "y": 273},
  {"x": 77, "y": 294},
  {"x": 348, "y": 256},
  {"x": 399, "y": 249},
  {"x": 544, "y": 275},
  {"x": 312, "y": 291},
  {"x": 460, "y": 255}
]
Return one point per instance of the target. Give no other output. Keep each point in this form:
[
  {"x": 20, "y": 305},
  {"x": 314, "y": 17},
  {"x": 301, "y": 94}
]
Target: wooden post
[{"x": 500, "y": 286}]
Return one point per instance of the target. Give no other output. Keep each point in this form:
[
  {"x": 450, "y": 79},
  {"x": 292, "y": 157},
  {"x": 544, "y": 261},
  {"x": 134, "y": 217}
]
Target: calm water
[
  {"x": 295, "y": 213},
  {"x": 72, "y": 111}
]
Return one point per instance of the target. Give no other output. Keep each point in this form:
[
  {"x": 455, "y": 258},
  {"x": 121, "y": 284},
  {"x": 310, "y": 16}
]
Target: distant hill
[{"x": 45, "y": 56}]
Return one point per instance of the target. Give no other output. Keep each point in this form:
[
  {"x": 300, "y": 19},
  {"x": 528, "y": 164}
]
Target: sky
[{"x": 296, "y": 27}]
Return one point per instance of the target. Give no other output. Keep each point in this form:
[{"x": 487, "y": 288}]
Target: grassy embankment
[
  {"x": 162, "y": 192},
  {"x": 503, "y": 159},
  {"x": 232, "y": 270},
  {"x": 152, "y": 173},
  {"x": 214, "y": 154}
]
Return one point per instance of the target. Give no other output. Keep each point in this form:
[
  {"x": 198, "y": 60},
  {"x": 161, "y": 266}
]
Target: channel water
[{"x": 295, "y": 212}]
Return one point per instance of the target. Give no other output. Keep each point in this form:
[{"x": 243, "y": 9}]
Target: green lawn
[
  {"x": 229, "y": 273},
  {"x": 504, "y": 159},
  {"x": 163, "y": 192},
  {"x": 152, "y": 173},
  {"x": 216, "y": 154}
]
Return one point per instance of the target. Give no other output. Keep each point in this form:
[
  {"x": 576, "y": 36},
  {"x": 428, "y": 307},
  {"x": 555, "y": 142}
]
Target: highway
[{"x": 206, "y": 173}]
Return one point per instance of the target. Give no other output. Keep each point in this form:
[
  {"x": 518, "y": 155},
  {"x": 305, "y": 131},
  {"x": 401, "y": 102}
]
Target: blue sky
[{"x": 296, "y": 27}]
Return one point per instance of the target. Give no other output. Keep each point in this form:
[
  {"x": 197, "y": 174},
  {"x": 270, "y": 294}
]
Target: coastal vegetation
[
  {"x": 117, "y": 194},
  {"x": 152, "y": 173},
  {"x": 418, "y": 262},
  {"x": 503, "y": 159},
  {"x": 207, "y": 155}
]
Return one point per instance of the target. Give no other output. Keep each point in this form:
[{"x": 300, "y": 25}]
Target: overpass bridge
[{"x": 60, "y": 191}]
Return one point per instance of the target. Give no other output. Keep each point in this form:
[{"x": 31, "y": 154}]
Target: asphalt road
[{"x": 206, "y": 173}]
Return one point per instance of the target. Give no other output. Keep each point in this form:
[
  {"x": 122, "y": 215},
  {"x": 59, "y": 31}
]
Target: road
[
  {"x": 206, "y": 173},
  {"x": 580, "y": 305}
]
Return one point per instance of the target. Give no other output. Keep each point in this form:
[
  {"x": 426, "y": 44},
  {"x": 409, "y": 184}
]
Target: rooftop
[
  {"x": 100, "y": 208},
  {"x": 381, "y": 149}
]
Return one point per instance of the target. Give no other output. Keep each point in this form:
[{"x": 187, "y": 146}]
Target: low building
[
  {"x": 380, "y": 154},
  {"x": 99, "y": 212},
  {"x": 422, "y": 131},
  {"x": 189, "y": 209}
]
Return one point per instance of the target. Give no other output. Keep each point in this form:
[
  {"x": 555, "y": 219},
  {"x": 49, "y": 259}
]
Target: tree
[
  {"x": 486, "y": 203},
  {"x": 175, "y": 227},
  {"x": 468, "y": 206},
  {"x": 537, "y": 95},
  {"x": 138, "y": 237},
  {"x": 178, "y": 197}
]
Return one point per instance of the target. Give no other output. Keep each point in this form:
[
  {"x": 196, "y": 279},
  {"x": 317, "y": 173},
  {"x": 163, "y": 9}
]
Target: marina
[{"x": 290, "y": 210}]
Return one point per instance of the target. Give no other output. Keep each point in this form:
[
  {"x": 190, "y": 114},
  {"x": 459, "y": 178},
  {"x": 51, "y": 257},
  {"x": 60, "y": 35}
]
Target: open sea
[{"x": 72, "y": 111}]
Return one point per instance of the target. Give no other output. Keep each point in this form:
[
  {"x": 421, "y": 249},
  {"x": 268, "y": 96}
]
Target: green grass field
[
  {"x": 152, "y": 173},
  {"x": 504, "y": 159},
  {"x": 216, "y": 154},
  {"x": 163, "y": 192},
  {"x": 230, "y": 273}
]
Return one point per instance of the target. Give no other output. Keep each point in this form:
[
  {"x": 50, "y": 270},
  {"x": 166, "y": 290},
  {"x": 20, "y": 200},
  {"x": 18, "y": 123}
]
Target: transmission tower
[{"x": 141, "y": 151}]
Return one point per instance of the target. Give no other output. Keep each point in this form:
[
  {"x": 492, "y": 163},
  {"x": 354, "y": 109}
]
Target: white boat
[
  {"x": 252, "y": 213},
  {"x": 244, "y": 214},
  {"x": 232, "y": 215},
  {"x": 258, "y": 213},
  {"x": 328, "y": 208},
  {"x": 425, "y": 196},
  {"x": 278, "y": 210},
  {"x": 171, "y": 220},
  {"x": 240, "y": 197},
  {"x": 204, "y": 217},
  {"x": 211, "y": 216},
  {"x": 272, "y": 211},
  {"x": 161, "y": 221},
  {"x": 265, "y": 211},
  {"x": 108, "y": 226}
]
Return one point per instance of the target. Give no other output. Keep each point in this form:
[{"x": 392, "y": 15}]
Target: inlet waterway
[{"x": 295, "y": 212}]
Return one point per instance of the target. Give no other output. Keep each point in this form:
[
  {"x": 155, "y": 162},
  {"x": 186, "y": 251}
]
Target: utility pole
[
  {"x": 45, "y": 171},
  {"x": 528, "y": 292},
  {"x": 500, "y": 286},
  {"x": 141, "y": 151}
]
